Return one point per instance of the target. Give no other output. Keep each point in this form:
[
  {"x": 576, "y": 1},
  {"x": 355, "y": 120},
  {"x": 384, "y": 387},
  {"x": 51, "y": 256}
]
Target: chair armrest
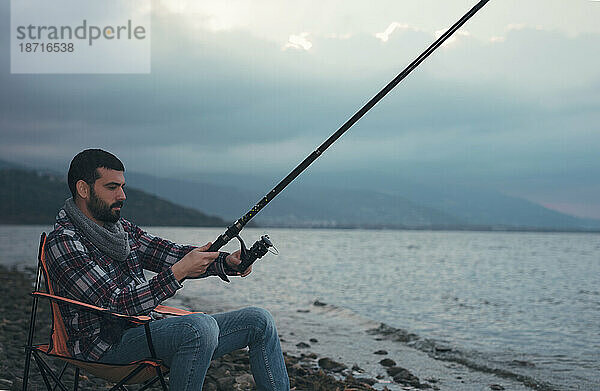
[
  {"x": 139, "y": 319},
  {"x": 166, "y": 310}
]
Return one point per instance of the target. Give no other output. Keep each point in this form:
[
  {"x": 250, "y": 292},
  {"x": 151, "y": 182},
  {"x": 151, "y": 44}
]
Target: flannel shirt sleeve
[
  {"x": 157, "y": 254},
  {"x": 79, "y": 276}
]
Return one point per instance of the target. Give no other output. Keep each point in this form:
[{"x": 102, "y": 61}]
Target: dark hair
[{"x": 85, "y": 164}]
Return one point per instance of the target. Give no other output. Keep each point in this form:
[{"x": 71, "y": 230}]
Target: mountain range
[
  {"x": 338, "y": 204},
  {"x": 305, "y": 203}
]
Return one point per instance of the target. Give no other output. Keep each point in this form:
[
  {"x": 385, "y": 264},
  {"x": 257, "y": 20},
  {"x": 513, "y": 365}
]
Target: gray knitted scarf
[{"x": 111, "y": 239}]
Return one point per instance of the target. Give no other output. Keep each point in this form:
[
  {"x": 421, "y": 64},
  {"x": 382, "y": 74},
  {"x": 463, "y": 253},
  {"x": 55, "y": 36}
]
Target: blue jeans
[{"x": 187, "y": 344}]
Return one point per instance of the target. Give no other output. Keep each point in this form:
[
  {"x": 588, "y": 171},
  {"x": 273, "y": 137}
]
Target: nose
[{"x": 121, "y": 195}]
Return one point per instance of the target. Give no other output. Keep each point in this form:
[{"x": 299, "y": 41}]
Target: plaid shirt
[{"x": 78, "y": 270}]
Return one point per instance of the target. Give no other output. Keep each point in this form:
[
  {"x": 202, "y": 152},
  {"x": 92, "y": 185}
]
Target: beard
[{"x": 101, "y": 211}]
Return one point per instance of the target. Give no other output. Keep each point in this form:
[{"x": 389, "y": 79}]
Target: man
[{"x": 97, "y": 257}]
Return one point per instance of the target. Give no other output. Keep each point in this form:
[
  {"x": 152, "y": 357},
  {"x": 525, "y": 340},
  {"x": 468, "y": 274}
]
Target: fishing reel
[
  {"x": 248, "y": 256},
  {"x": 257, "y": 251}
]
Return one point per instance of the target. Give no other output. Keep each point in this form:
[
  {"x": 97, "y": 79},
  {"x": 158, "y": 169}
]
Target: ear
[{"x": 83, "y": 189}]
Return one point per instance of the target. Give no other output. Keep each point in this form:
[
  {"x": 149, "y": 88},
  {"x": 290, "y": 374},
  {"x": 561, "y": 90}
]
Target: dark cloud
[{"x": 496, "y": 113}]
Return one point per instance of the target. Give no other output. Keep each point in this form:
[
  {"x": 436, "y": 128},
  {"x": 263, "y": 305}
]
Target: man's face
[{"x": 107, "y": 196}]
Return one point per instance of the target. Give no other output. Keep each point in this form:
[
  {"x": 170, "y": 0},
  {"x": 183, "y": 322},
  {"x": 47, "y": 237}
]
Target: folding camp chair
[{"x": 147, "y": 371}]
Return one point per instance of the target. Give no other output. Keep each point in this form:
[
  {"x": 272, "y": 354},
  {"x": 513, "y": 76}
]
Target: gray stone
[
  {"x": 328, "y": 364},
  {"x": 387, "y": 362},
  {"x": 226, "y": 383},
  {"x": 246, "y": 381}
]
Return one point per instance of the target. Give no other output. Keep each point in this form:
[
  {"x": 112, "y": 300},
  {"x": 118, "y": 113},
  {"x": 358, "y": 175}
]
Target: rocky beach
[
  {"x": 307, "y": 371},
  {"x": 393, "y": 364}
]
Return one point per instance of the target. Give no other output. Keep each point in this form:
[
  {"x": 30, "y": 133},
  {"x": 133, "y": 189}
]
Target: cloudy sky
[{"x": 512, "y": 102}]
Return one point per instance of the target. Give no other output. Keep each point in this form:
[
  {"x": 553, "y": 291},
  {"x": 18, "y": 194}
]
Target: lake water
[{"x": 525, "y": 305}]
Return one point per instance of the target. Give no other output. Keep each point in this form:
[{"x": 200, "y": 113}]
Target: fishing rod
[{"x": 260, "y": 248}]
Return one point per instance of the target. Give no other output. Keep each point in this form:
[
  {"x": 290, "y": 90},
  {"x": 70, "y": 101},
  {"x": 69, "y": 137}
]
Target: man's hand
[
  {"x": 233, "y": 260},
  {"x": 194, "y": 263}
]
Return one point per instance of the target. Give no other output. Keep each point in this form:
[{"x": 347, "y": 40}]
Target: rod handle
[
  {"x": 217, "y": 244},
  {"x": 231, "y": 232}
]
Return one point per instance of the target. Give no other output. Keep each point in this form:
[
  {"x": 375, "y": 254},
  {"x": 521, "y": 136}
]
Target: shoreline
[
  {"x": 313, "y": 362},
  {"x": 231, "y": 372},
  {"x": 395, "y": 359}
]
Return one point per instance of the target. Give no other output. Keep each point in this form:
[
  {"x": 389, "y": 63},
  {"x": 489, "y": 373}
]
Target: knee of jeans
[
  {"x": 201, "y": 328},
  {"x": 261, "y": 320}
]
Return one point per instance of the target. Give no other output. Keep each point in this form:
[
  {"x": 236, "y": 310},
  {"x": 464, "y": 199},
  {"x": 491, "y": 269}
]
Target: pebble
[
  {"x": 395, "y": 371},
  {"x": 496, "y": 387},
  {"x": 210, "y": 386},
  {"x": 387, "y": 362},
  {"x": 393, "y": 334},
  {"x": 246, "y": 381},
  {"x": 319, "y": 303},
  {"x": 381, "y": 352},
  {"x": 405, "y": 377},
  {"x": 329, "y": 364},
  {"x": 358, "y": 369},
  {"x": 367, "y": 380},
  {"x": 226, "y": 383},
  {"x": 302, "y": 345}
]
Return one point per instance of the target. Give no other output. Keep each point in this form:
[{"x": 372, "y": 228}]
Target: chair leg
[
  {"x": 26, "y": 371},
  {"x": 76, "y": 380},
  {"x": 121, "y": 384},
  {"x": 29, "y": 347},
  {"x": 150, "y": 383},
  {"x": 162, "y": 379},
  {"x": 43, "y": 368},
  {"x": 48, "y": 371},
  {"x": 62, "y": 372}
]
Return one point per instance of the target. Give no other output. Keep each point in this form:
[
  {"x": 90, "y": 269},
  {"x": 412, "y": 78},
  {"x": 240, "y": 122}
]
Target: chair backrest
[
  {"x": 59, "y": 335},
  {"x": 133, "y": 373}
]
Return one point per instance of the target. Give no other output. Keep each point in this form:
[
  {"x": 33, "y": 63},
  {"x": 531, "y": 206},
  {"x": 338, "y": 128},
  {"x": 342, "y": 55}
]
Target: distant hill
[
  {"x": 31, "y": 197},
  {"x": 477, "y": 206},
  {"x": 321, "y": 202},
  {"x": 408, "y": 205},
  {"x": 316, "y": 207}
]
